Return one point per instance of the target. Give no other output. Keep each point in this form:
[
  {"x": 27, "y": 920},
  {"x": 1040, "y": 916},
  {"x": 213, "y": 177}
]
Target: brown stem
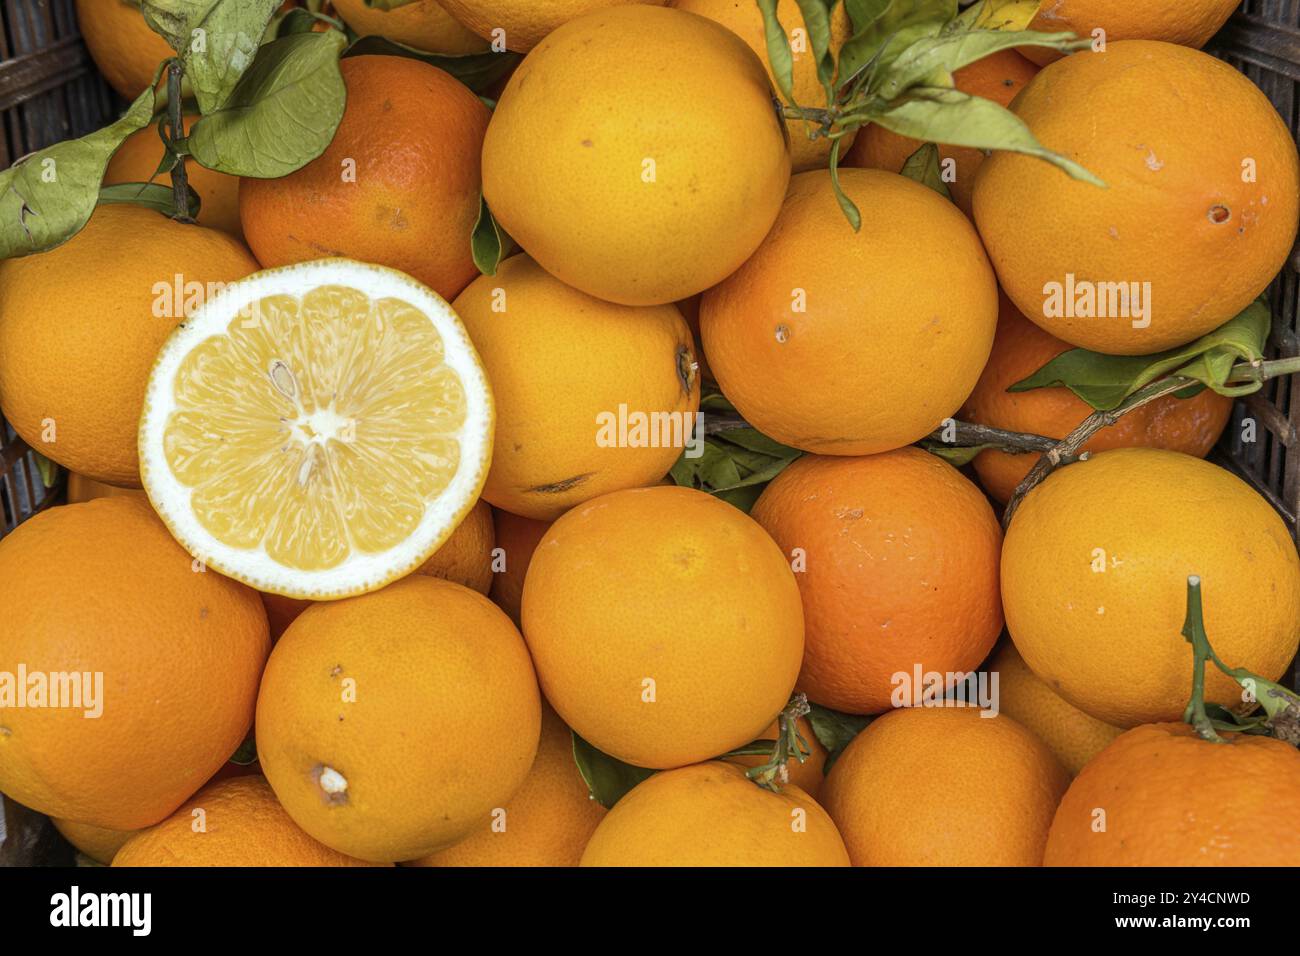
[
  {"x": 1068, "y": 448},
  {"x": 966, "y": 434},
  {"x": 176, "y": 131}
]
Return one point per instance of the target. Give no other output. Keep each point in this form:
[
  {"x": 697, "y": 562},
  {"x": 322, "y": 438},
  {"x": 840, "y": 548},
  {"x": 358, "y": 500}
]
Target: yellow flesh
[{"x": 316, "y": 426}]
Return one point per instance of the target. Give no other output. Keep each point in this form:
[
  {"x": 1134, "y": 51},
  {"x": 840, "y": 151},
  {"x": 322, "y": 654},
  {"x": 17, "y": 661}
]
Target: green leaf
[
  {"x": 216, "y": 39},
  {"x": 281, "y": 115},
  {"x": 47, "y": 197},
  {"x": 735, "y": 462},
  {"x": 955, "y": 455},
  {"x": 478, "y": 71},
  {"x": 834, "y": 730},
  {"x": 931, "y": 61},
  {"x": 1104, "y": 381},
  {"x": 779, "y": 55},
  {"x": 607, "y": 778},
  {"x": 817, "y": 23},
  {"x": 296, "y": 20},
  {"x": 923, "y": 167},
  {"x": 941, "y": 115},
  {"x": 864, "y": 13},
  {"x": 489, "y": 243},
  {"x": 889, "y": 32},
  {"x": 389, "y": 4},
  {"x": 847, "y": 206},
  {"x": 49, "y": 470},
  {"x": 246, "y": 755},
  {"x": 153, "y": 196}
]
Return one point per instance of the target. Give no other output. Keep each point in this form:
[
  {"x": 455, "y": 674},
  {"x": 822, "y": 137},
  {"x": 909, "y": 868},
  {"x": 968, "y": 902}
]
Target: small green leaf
[
  {"x": 296, "y": 20},
  {"x": 955, "y": 455},
  {"x": 817, "y": 23},
  {"x": 47, "y": 197},
  {"x": 246, "y": 755},
  {"x": 49, "y": 470},
  {"x": 932, "y": 58},
  {"x": 834, "y": 731},
  {"x": 387, "y": 5},
  {"x": 217, "y": 40},
  {"x": 282, "y": 114},
  {"x": 478, "y": 71},
  {"x": 1104, "y": 381},
  {"x": 899, "y": 25},
  {"x": 779, "y": 55},
  {"x": 847, "y": 205},
  {"x": 923, "y": 167},
  {"x": 941, "y": 115},
  {"x": 864, "y": 13},
  {"x": 736, "y": 460},
  {"x": 153, "y": 196},
  {"x": 489, "y": 243},
  {"x": 607, "y": 778}
]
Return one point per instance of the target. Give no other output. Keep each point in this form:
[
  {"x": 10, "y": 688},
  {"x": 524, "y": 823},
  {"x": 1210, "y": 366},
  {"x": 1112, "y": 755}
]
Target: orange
[
  {"x": 634, "y": 183},
  {"x": 1073, "y": 736},
  {"x": 628, "y": 648},
  {"x": 897, "y": 561},
  {"x": 232, "y": 823},
  {"x": 424, "y": 25},
  {"x": 998, "y": 77},
  {"x": 846, "y": 343},
  {"x": 745, "y": 19},
  {"x": 546, "y": 822},
  {"x": 121, "y": 43},
  {"x": 466, "y": 557},
  {"x": 391, "y": 724},
  {"x": 1176, "y": 21},
  {"x": 517, "y": 538},
  {"x": 95, "y": 842},
  {"x": 398, "y": 185},
  {"x": 591, "y": 396},
  {"x": 807, "y": 776},
  {"x": 1162, "y": 796},
  {"x": 173, "y": 654},
  {"x": 114, "y": 287},
  {"x": 932, "y": 786},
  {"x": 1020, "y": 348},
  {"x": 711, "y": 815},
  {"x": 137, "y": 159},
  {"x": 1191, "y": 226},
  {"x": 524, "y": 23},
  {"x": 1094, "y": 582}
]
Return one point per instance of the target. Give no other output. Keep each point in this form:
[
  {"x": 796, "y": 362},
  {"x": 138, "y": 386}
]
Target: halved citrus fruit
[{"x": 317, "y": 431}]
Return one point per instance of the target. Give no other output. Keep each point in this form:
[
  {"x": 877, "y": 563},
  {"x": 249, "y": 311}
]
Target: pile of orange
[{"x": 583, "y": 602}]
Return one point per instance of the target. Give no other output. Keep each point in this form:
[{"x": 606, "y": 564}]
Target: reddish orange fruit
[
  {"x": 517, "y": 538},
  {"x": 1161, "y": 796},
  {"x": 1020, "y": 348},
  {"x": 398, "y": 185},
  {"x": 933, "y": 786},
  {"x": 897, "y": 562}
]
